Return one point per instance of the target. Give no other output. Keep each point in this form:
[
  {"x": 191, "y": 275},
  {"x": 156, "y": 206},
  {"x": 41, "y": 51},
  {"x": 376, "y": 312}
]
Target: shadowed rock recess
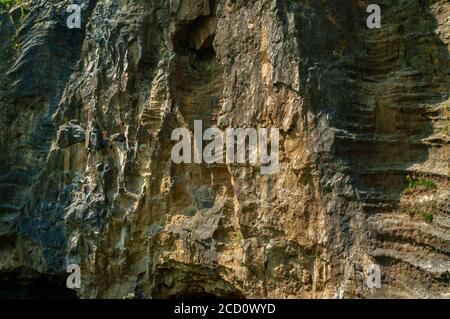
[{"x": 86, "y": 177}]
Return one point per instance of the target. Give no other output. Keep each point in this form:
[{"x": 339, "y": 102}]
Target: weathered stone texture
[{"x": 86, "y": 177}]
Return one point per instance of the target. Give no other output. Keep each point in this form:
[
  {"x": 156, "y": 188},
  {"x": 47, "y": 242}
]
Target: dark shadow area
[
  {"x": 377, "y": 87},
  {"x": 37, "y": 288},
  {"x": 177, "y": 281}
]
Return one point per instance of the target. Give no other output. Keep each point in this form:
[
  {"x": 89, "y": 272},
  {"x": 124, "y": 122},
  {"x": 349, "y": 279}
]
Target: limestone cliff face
[{"x": 86, "y": 177}]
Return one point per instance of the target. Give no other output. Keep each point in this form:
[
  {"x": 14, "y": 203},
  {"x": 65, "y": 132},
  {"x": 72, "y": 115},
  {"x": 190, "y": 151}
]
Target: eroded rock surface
[{"x": 86, "y": 175}]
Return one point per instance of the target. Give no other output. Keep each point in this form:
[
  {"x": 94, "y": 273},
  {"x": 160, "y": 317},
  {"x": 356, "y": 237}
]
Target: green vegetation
[
  {"x": 10, "y": 3},
  {"x": 6, "y": 5},
  {"x": 425, "y": 215},
  {"x": 414, "y": 183},
  {"x": 428, "y": 217}
]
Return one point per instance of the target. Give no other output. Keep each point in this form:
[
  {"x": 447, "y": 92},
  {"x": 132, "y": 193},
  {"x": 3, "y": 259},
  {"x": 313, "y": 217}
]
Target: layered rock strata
[{"x": 86, "y": 177}]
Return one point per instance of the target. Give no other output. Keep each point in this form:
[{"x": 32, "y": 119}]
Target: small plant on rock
[
  {"x": 427, "y": 216},
  {"x": 414, "y": 183}
]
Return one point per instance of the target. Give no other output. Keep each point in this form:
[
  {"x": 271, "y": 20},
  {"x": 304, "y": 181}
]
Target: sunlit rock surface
[{"x": 86, "y": 178}]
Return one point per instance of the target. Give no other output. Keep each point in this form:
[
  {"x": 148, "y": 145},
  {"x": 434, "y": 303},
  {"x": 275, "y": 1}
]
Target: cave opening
[
  {"x": 178, "y": 281},
  {"x": 41, "y": 287}
]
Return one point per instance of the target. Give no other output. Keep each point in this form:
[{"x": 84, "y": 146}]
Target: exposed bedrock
[{"x": 86, "y": 176}]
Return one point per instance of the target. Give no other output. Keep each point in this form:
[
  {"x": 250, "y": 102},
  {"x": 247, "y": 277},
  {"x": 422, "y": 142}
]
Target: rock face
[{"x": 86, "y": 177}]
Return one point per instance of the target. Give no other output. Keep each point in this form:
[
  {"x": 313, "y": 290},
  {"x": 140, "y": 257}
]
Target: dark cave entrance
[
  {"x": 40, "y": 287},
  {"x": 180, "y": 281}
]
